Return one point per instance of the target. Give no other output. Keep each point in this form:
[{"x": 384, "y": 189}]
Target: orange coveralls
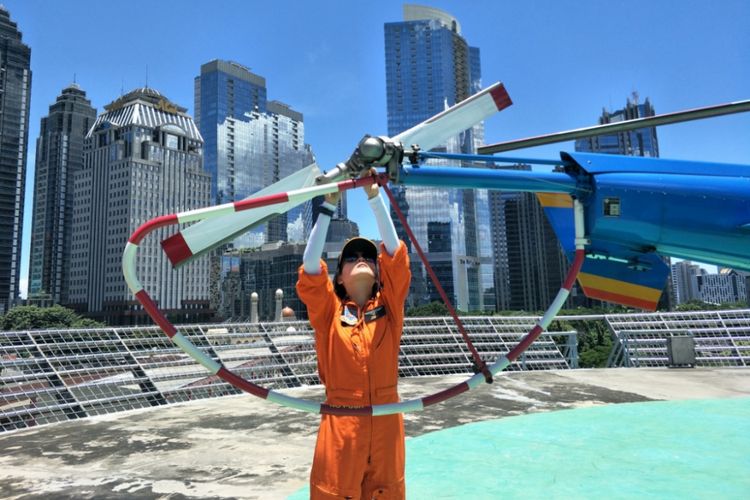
[{"x": 359, "y": 456}]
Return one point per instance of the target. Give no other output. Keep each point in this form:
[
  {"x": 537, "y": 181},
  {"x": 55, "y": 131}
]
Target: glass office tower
[
  {"x": 15, "y": 94},
  {"x": 529, "y": 264},
  {"x": 430, "y": 66},
  {"x": 59, "y": 154},
  {"x": 250, "y": 142},
  {"x": 639, "y": 142}
]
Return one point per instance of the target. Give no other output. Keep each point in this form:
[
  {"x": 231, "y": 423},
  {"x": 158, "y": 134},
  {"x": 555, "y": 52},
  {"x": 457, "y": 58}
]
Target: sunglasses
[{"x": 351, "y": 259}]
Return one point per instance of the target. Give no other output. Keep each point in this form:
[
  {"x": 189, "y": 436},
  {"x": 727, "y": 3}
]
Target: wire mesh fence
[
  {"x": 722, "y": 338},
  {"x": 50, "y": 376},
  {"x": 57, "y": 375}
]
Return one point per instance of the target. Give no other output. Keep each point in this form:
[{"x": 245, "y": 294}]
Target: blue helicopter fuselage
[{"x": 690, "y": 210}]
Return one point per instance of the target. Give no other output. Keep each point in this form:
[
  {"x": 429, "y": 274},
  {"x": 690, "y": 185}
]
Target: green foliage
[
  {"x": 560, "y": 326},
  {"x": 595, "y": 357},
  {"x": 431, "y": 309},
  {"x": 40, "y": 318},
  {"x": 697, "y": 305},
  {"x": 478, "y": 313},
  {"x": 594, "y": 344}
]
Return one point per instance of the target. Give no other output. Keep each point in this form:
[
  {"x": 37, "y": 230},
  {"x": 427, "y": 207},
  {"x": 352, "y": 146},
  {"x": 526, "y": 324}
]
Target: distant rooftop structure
[
  {"x": 639, "y": 142},
  {"x": 147, "y": 94},
  {"x": 8, "y": 28},
  {"x": 421, "y": 12},
  {"x": 235, "y": 69},
  {"x": 149, "y": 108}
]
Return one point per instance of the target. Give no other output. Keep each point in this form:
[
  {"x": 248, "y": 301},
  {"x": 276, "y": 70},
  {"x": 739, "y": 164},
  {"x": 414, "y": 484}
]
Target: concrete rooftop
[{"x": 243, "y": 447}]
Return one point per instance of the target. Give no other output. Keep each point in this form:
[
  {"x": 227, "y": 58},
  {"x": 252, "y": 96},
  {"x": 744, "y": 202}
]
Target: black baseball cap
[{"x": 356, "y": 246}]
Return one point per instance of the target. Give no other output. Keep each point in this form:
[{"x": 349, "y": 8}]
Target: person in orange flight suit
[{"x": 358, "y": 319}]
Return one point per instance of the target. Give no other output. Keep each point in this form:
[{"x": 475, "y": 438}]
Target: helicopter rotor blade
[
  {"x": 202, "y": 236},
  {"x": 454, "y": 120},
  {"x": 205, "y": 235},
  {"x": 616, "y": 127},
  {"x": 385, "y": 151}
]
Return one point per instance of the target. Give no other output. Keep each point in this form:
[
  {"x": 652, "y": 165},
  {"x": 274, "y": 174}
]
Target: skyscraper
[
  {"x": 142, "y": 159},
  {"x": 726, "y": 287},
  {"x": 15, "y": 94},
  {"x": 275, "y": 266},
  {"x": 59, "y": 155},
  {"x": 429, "y": 66},
  {"x": 639, "y": 142},
  {"x": 685, "y": 281},
  {"x": 530, "y": 265},
  {"x": 251, "y": 142}
]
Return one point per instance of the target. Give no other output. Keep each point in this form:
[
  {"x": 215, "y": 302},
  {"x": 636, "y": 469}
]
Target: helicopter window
[{"x": 611, "y": 207}]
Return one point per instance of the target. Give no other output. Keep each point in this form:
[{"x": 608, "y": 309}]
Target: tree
[
  {"x": 40, "y": 318},
  {"x": 697, "y": 305},
  {"x": 594, "y": 338},
  {"x": 431, "y": 309}
]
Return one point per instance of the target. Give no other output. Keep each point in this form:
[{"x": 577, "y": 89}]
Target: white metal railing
[
  {"x": 56, "y": 375},
  {"x": 50, "y": 376},
  {"x": 722, "y": 338}
]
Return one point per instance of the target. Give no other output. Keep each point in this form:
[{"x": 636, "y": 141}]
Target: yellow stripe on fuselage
[
  {"x": 619, "y": 287},
  {"x": 555, "y": 200}
]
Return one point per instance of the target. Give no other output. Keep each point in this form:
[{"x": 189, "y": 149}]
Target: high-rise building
[
  {"x": 691, "y": 282},
  {"x": 639, "y": 142},
  {"x": 142, "y": 159},
  {"x": 59, "y": 155},
  {"x": 726, "y": 287},
  {"x": 15, "y": 95},
  {"x": 685, "y": 281},
  {"x": 274, "y": 266},
  {"x": 429, "y": 66},
  {"x": 530, "y": 265},
  {"x": 250, "y": 143},
  {"x": 745, "y": 276}
]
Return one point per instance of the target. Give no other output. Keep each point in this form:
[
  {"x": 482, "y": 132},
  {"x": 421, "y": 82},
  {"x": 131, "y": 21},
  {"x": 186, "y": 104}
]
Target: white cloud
[{"x": 23, "y": 286}]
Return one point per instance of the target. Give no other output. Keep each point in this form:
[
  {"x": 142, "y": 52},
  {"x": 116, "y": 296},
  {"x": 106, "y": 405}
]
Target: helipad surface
[{"x": 569, "y": 436}]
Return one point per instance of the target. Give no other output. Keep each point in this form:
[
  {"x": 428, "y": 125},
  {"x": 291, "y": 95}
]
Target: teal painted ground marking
[{"x": 664, "y": 449}]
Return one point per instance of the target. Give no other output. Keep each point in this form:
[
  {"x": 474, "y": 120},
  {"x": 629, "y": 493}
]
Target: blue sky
[{"x": 561, "y": 61}]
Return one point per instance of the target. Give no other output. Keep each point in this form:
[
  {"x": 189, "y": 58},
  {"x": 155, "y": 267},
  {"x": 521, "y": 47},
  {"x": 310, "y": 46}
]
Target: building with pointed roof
[
  {"x": 59, "y": 155},
  {"x": 143, "y": 158}
]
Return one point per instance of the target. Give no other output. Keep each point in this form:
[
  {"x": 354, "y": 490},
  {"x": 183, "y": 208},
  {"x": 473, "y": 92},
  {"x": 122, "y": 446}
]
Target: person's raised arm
[
  {"x": 383, "y": 218},
  {"x": 314, "y": 248}
]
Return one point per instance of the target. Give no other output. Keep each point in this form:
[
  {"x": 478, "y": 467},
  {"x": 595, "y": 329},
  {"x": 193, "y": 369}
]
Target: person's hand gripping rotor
[{"x": 373, "y": 189}]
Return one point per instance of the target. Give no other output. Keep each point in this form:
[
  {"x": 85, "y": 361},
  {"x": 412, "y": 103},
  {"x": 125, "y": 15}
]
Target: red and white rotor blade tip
[
  {"x": 202, "y": 236},
  {"x": 454, "y": 120}
]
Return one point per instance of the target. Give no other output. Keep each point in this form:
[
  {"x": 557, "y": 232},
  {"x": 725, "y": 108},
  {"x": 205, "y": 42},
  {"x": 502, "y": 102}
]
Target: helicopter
[
  {"x": 616, "y": 218},
  {"x": 636, "y": 210}
]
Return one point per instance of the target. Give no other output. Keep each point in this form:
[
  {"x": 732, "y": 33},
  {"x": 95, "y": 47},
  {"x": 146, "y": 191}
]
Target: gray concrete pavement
[{"x": 242, "y": 447}]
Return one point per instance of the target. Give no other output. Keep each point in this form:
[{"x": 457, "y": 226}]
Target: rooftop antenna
[
  {"x": 74, "y": 78},
  {"x": 147, "y": 76},
  {"x": 122, "y": 87}
]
